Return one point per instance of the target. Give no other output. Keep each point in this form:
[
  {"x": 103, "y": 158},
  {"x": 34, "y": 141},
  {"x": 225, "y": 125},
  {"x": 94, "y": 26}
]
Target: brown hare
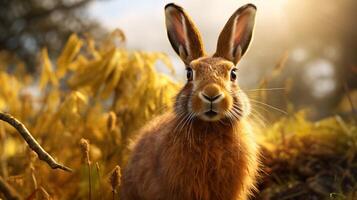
[{"x": 204, "y": 149}]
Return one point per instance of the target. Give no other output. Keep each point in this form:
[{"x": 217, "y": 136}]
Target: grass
[
  {"x": 105, "y": 93},
  {"x": 310, "y": 160}
]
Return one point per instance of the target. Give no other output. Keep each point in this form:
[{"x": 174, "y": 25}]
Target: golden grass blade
[
  {"x": 47, "y": 75},
  {"x": 70, "y": 51}
]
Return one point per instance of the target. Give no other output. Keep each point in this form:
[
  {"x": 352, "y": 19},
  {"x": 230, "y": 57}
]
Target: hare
[{"x": 204, "y": 149}]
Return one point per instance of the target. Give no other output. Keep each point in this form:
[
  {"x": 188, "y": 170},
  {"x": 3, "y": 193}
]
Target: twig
[
  {"x": 33, "y": 144},
  {"x": 8, "y": 191}
]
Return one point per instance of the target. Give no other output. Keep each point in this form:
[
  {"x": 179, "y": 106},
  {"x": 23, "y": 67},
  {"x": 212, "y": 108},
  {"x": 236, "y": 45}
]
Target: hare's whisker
[
  {"x": 236, "y": 115},
  {"x": 264, "y": 89},
  {"x": 182, "y": 115},
  {"x": 185, "y": 121},
  {"x": 269, "y": 106},
  {"x": 258, "y": 117},
  {"x": 190, "y": 128}
]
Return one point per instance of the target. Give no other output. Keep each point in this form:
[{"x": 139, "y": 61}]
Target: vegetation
[
  {"x": 85, "y": 111},
  {"x": 98, "y": 91},
  {"x": 310, "y": 160}
]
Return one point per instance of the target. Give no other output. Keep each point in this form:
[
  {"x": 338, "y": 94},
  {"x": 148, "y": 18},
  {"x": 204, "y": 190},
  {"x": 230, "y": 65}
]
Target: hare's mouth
[{"x": 211, "y": 114}]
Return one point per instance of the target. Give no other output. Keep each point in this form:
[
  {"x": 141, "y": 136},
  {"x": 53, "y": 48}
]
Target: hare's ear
[
  {"x": 236, "y": 35},
  {"x": 182, "y": 33}
]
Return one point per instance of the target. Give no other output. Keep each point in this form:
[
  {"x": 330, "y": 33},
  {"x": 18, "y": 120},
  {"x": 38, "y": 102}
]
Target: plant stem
[
  {"x": 8, "y": 191},
  {"x": 90, "y": 181},
  {"x": 99, "y": 178}
]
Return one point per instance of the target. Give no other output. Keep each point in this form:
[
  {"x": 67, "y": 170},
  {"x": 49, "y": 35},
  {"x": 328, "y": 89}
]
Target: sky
[{"x": 143, "y": 21}]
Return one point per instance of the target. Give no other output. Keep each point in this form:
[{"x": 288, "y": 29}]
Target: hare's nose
[
  {"x": 211, "y": 98},
  {"x": 211, "y": 93}
]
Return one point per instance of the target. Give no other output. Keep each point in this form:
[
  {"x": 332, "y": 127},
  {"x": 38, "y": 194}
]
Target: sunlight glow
[{"x": 320, "y": 75}]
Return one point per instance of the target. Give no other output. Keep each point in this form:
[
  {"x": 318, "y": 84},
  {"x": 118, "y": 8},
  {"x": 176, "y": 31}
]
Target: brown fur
[
  {"x": 186, "y": 154},
  {"x": 219, "y": 163}
]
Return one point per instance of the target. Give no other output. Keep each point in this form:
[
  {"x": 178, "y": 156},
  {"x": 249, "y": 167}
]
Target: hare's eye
[
  {"x": 189, "y": 74},
  {"x": 233, "y": 74}
]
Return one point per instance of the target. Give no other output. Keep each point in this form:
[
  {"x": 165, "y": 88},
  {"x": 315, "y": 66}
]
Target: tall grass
[{"x": 104, "y": 93}]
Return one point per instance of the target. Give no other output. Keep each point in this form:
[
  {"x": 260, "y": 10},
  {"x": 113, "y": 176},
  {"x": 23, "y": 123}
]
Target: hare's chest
[{"x": 210, "y": 171}]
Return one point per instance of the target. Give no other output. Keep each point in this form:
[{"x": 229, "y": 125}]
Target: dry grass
[
  {"x": 310, "y": 160},
  {"x": 105, "y": 93},
  {"x": 98, "y": 91}
]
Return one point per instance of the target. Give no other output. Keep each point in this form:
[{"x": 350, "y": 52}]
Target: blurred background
[
  {"x": 93, "y": 72},
  {"x": 314, "y": 41}
]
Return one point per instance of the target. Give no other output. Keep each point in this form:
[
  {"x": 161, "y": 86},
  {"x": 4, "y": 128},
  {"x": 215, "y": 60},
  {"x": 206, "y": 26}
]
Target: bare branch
[
  {"x": 8, "y": 191},
  {"x": 33, "y": 144}
]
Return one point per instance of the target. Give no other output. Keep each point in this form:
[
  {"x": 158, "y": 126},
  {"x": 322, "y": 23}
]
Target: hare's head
[{"x": 211, "y": 92}]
